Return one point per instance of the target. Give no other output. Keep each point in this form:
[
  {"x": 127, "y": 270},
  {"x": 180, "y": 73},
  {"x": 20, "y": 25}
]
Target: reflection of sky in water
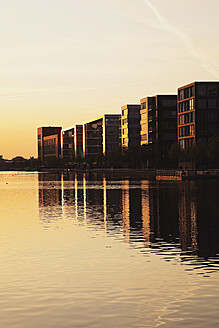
[{"x": 176, "y": 221}]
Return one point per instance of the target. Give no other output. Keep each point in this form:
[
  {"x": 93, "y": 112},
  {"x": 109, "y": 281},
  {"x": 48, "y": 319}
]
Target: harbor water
[{"x": 105, "y": 250}]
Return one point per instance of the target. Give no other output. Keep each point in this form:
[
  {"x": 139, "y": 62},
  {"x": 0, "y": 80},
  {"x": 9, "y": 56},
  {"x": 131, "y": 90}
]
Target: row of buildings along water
[{"x": 157, "y": 121}]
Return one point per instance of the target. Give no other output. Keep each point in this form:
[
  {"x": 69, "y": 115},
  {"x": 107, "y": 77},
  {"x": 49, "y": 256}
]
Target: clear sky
[{"x": 64, "y": 62}]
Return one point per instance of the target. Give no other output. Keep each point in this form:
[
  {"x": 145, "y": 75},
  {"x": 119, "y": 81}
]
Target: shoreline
[{"x": 157, "y": 174}]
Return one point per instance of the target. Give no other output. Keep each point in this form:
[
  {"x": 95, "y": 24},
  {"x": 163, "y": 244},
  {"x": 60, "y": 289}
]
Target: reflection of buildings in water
[
  {"x": 163, "y": 204},
  {"x": 49, "y": 187},
  {"x": 154, "y": 212},
  {"x": 145, "y": 211},
  {"x": 184, "y": 212},
  {"x": 187, "y": 217},
  {"x": 207, "y": 217},
  {"x": 76, "y": 198},
  {"x": 79, "y": 197},
  {"x": 104, "y": 204},
  {"x": 114, "y": 206},
  {"x": 56, "y": 196},
  {"x": 135, "y": 211},
  {"x": 101, "y": 204},
  {"x": 93, "y": 202},
  {"x": 85, "y": 199},
  {"x": 125, "y": 209},
  {"x": 68, "y": 196},
  {"x": 50, "y": 197}
]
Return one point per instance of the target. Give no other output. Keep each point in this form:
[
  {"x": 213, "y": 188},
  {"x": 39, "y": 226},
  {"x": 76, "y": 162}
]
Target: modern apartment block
[
  {"x": 101, "y": 135},
  {"x": 159, "y": 125},
  {"x": 198, "y": 112},
  {"x": 78, "y": 140},
  {"x": 130, "y": 126},
  {"x": 49, "y": 143},
  {"x": 68, "y": 144}
]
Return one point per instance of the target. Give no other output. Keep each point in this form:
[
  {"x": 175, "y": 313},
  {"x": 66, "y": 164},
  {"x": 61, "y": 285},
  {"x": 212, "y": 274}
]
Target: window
[
  {"x": 186, "y": 143},
  {"x": 143, "y": 105},
  {"x": 201, "y": 90},
  {"x": 202, "y": 115},
  {"x": 202, "y": 129},
  {"x": 186, "y": 118},
  {"x": 181, "y": 119},
  {"x": 212, "y": 129},
  {"x": 170, "y": 124},
  {"x": 212, "y": 116},
  {"x": 212, "y": 103},
  {"x": 143, "y": 127},
  {"x": 169, "y": 102},
  {"x": 191, "y": 130},
  {"x": 202, "y": 103},
  {"x": 212, "y": 90},
  {"x": 169, "y": 136},
  {"x": 125, "y": 141},
  {"x": 124, "y": 112},
  {"x": 191, "y": 104},
  {"x": 181, "y": 94},
  {"x": 185, "y": 106},
  {"x": 144, "y": 117},
  {"x": 186, "y": 93},
  {"x": 186, "y": 131},
  {"x": 169, "y": 114}
]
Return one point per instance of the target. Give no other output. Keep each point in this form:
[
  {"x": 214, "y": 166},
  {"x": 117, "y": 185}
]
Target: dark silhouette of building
[
  {"x": 159, "y": 126},
  {"x": 68, "y": 144},
  {"x": 198, "y": 112},
  {"x": 78, "y": 140},
  {"x": 130, "y": 126}
]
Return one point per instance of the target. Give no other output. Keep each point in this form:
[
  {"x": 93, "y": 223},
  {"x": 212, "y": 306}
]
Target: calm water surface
[{"x": 105, "y": 251}]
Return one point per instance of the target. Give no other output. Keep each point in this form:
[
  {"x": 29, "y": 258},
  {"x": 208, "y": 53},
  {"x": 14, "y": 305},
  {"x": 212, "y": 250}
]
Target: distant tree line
[{"x": 204, "y": 155}]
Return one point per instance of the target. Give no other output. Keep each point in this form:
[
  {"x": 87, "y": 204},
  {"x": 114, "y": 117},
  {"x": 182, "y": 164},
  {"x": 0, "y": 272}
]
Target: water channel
[{"x": 105, "y": 250}]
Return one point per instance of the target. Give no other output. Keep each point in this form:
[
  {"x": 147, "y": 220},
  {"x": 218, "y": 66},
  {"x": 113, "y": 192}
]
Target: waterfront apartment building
[
  {"x": 101, "y": 135},
  {"x": 130, "y": 126},
  {"x": 78, "y": 140},
  {"x": 49, "y": 143},
  {"x": 72, "y": 143},
  {"x": 158, "y": 126},
  {"x": 198, "y": 112},
  {"x": 68, "y": 144}
]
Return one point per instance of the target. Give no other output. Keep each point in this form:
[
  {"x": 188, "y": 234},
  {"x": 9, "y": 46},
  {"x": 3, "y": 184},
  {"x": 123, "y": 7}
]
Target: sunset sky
[{"x": 65, "y": 62}]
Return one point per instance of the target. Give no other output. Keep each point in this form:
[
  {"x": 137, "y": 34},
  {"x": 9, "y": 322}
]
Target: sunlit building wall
[
  {"x": 49, "y": 143},
  {"x": 101, "y": 135}
]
